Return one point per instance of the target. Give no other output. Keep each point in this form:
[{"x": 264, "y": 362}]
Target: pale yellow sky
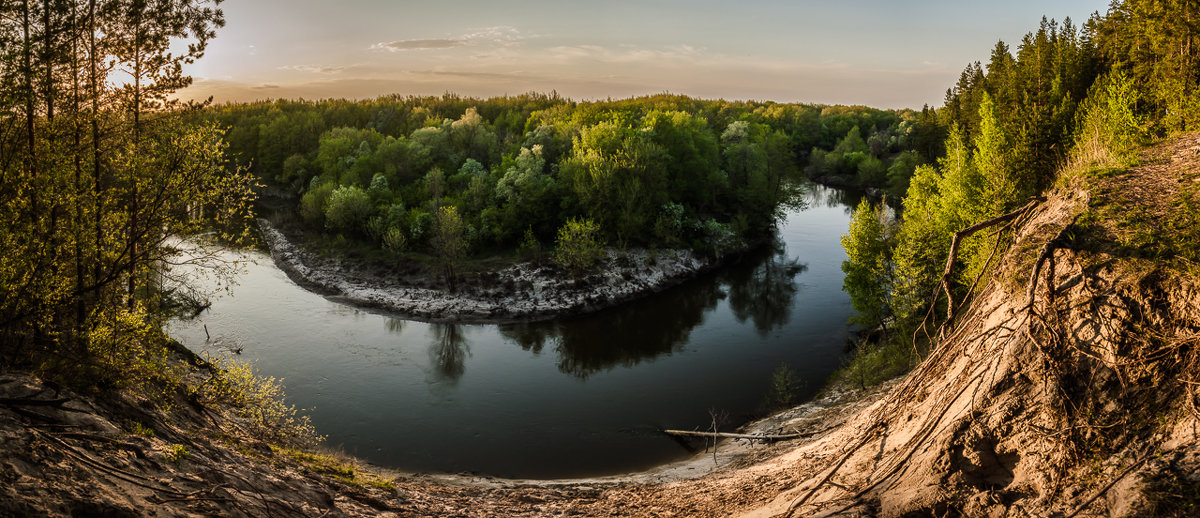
[{"x": 880, "y": 53}]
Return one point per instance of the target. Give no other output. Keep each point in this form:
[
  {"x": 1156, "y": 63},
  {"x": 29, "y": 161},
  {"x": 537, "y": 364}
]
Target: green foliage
[
  {"x": 668, "y": 227},
  {"x": 578, "y": 246},
  {"x": 785, "y": 388},
  {"x": 379, "y": 192},
  {"x": 313, "y": 203},
  {"x": 530, "y": 248},
  {"x": 851, "y": 143},
  {"x": 716, "y": 238},
  {"x": 341, "y": 469},
  {"x": 449, "y": 243},
  {"x": 874, "y": 363},
  {"x": 923, "y": 241},
  {"x": 886, "y": 159},
  {"x": 1151, "y": 41},
  {"x": 901, "y": 172},
  {"x": 347, "y": 209},
  {"x": 1109, "y": 130},
  {"x": 1062, "y": 97},
  {"x": 531, "y": 161},
  {"x": 259, "y": 401},
  {"x": 872, "y": 171},
  {"x": 420, "y": 226},
  {"x": 394, "y": 240},
  {"x": 294, "y": 171},
  {"x": 138, "y": 428},
  {"x": 868, "y": 266},
  {"x": 175, "y": 453},
  {"x": 126, "y": 351}
]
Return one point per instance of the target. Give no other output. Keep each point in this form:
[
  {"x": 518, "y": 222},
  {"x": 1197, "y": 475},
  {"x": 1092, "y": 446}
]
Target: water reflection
[
  {"x": 764, "y": 293},
  {"x": 449, "y": 351},
  {"x": 760, "y": 289},
  {"x": 424, "y": 397},
  {"x": 622, "y": 336},
  {"x": 395, "y": 325},
  {"x": 813, "y": 195}
]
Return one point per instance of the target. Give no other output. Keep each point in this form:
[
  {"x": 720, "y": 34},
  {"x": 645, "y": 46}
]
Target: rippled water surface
[{"x": 573, "y": 397}]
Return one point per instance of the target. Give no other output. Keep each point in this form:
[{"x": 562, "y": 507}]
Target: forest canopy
[{"x": 660, "y": 171}]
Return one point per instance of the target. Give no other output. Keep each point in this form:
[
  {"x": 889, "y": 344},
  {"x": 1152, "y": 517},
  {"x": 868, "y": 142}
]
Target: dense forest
[
  {"x": 662, "y": 171},
  {"x": 1067, "y": 100},
  {"x": 100, "y": 172}
]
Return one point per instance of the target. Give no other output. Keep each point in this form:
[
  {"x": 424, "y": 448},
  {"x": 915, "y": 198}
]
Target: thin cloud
[
  {"x": 497, "y": 37},
  {"x": 505, "y": 76},
  {"x": 628, "y": 54},
  {"x": 315, "y": 69},
  {"x": 403, "y": 45}
]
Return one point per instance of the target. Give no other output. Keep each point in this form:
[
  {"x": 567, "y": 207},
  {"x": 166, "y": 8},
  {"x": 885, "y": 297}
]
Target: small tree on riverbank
[
  {"x": 868, "y": 264},
  {"x": 448, "y": 242},
  {"x": 578, "y": 246}
]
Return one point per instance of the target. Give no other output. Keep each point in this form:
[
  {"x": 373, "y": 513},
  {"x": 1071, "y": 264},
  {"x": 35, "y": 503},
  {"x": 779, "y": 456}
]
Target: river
[{"x": 573, "y": 397}]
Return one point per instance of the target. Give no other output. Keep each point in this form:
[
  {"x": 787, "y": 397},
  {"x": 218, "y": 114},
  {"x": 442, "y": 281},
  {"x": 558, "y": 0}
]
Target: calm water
[{"x": 574, "y": 397}]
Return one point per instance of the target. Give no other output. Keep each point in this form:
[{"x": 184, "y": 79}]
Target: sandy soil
[{"x": 520, "y": 292}]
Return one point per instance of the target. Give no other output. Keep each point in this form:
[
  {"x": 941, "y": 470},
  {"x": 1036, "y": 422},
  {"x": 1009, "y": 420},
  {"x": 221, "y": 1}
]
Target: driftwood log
[{"x": 724, "y": 435}]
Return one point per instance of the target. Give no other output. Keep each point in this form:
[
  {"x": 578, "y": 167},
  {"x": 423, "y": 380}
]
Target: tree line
[
  {"x": 512, "y": 172},
  {"x": 1067, "y": 98}
]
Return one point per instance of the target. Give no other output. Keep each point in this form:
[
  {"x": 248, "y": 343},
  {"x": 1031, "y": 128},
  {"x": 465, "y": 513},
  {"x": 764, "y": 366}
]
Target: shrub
[
  {"x": 530, "y": 248},
  {"x": 258, "y": 400},
  {"x": 347, "y": 209},
  {"x": 137, "y": 428},
  {"x": 175, "y": 453},
  {"x": 312, "y": 204},
  {"x": 785, "y": 387},
  {"x": 394, "y": 241},
  {"x": 578, "y": 246}
]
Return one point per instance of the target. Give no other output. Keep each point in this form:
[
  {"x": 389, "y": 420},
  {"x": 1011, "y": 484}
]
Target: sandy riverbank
[{"x": 520, "y": 292}]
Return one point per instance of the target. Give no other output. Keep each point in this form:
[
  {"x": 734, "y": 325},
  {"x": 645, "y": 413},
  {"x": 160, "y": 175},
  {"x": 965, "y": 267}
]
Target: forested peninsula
[{"x": 532, "y": 206}]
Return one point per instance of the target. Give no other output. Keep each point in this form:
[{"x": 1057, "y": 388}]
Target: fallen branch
[
  {"x": 725, "y": 435},
  {"x": 967, "y": 232}
]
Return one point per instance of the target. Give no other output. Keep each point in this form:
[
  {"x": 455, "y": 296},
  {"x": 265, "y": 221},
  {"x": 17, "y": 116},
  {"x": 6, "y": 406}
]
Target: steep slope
[{"x": 1067, "y": 392}]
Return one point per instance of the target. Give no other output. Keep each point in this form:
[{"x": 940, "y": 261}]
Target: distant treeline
[{"x": 664, "y": 170}]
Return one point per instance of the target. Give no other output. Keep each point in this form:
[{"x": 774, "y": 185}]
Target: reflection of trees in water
[
  {"x": 622, "y": 336},
  {"x": 395, "y": 325},
  {"x": 449, "y": 350},
  {"x": 764, "y": 293},
  {"x": 813, "y": 194},
  {"x": 760, "y": 289},
  {"x": 793, "y": 198}
]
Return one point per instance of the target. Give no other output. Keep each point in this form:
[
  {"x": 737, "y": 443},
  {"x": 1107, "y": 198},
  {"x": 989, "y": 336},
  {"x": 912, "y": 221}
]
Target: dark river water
[{"x": 573, "y": 397}]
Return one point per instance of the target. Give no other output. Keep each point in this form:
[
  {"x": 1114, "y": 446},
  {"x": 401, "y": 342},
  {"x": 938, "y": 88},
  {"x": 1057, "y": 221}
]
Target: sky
[{"x": 881, "y": 53}]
